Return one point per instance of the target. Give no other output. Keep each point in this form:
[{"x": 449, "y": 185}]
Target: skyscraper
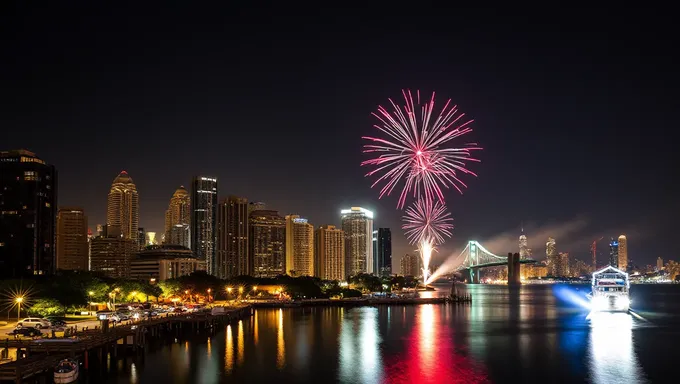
[
  {"x": 232, "y": 238},
  {"x": 204, "y": 220},
  {"x": 551, "y": 256},
  {"x": 614, "y": 253},
  {"x": 256, "y": 206},
  {"x": 329, "y": 253},
  {"x": 72, "y": 240},
  {"x": 299, "y": 246},
  {"x": 122, "y": 209},
  {"x": 563, "y": 264},
  {"x": 410, "y": 265},
  {"x": 623, "y": 253},
  {"x": 267, "y": 238},
  {"x": 523, "y": 246},
  {"x": 357, "y": 223},
  {"x": 659, "y": 264},
  {"x": 383, "y": 253},
  {"x": 111, "y": 253},
  {"x": 178, "y": 219},
  {"x": 141, "y": 238},
  {"x": 28, "y": 204}
]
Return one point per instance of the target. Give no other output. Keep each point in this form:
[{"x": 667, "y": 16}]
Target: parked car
[
  {"x": 34, "y": 322},
  {"x": 57, "y": 321},
  {"x": 26, "y": 331}
]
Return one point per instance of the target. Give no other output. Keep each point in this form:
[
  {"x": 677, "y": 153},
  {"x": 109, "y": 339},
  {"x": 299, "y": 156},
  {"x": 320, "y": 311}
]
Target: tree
[
  {"x": 47, "y": 307},
  {"x": 170, "y": 287}
]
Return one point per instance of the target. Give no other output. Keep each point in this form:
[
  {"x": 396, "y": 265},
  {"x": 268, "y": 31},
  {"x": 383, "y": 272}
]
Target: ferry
[{"x": 611, "y": 291}]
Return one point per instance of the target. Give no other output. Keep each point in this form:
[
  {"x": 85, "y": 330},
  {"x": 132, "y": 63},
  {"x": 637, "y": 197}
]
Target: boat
[
  {"x": 610, "y": 291},
  {"x": 66, "y": 372}
]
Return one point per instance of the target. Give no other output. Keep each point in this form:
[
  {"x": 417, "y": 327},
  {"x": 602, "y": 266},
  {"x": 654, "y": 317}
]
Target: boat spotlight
[{"x": 599, "y": 303}]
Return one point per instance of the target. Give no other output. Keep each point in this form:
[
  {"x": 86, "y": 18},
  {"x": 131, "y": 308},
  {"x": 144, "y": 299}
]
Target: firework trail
[
  {"x": 418, "y": 149},
  {"x": 427, "y": 220}
]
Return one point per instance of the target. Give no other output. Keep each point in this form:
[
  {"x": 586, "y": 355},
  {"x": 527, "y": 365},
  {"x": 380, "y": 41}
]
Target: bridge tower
[
  {"x": 514, "y": 275},
  {"x": 474, "y": 260}
]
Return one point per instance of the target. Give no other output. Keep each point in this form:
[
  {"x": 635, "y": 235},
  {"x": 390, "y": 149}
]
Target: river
[{"x": 538, "y": 333}]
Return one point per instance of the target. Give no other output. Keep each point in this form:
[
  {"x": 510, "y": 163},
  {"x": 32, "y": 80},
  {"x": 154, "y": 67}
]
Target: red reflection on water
[{"x": 432, "y": 356}]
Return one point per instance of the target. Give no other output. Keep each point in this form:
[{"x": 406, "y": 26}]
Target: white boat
[
  {"x": 611, "y": 290},
  {"x": 66, "y": 372}
]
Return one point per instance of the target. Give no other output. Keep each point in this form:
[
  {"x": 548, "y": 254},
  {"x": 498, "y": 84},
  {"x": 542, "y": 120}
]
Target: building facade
[
  {"x": 357, "y": 223},
  {"x": 551, "y": 256},
  {"x": 563, "y": 265},
  {"x": 329, "y": 253},
  {"x": 72, "y": 239},
  {"x": 410, "y": 265},
  {"x": 623, "y": 253},
  {"x": 233, "y": 257},
  {"x": 204, "y": 220},
  {"x": 178, "y": 219},
  {"x": 28, "y": 207},
  {"x": 164, "y": 262},
  {"x": 383, "y": 252},
  {"x": 267, "y": 238},
  {"x": 614, "y": 253},
  {"x": 299, "y": 246},
  {"x": 111, "y": 253},
  {"x": 122, "y": 210}
]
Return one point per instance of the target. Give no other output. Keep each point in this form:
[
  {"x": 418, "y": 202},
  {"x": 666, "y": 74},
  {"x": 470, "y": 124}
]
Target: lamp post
[
  {"x": 240, "y": 293},
  {"x": 209, "y": 295},
  {"x": 19, "y": 301},
  {"x": 90, "y": 294}
]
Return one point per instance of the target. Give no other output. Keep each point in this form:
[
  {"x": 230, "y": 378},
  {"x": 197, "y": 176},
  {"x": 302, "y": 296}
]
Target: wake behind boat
[
  {"x": 66, "y": 372},
  {"x": 610, "y": 291}
]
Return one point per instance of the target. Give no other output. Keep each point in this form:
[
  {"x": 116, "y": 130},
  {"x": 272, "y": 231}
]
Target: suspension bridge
[{"x": 478, "y": 257}]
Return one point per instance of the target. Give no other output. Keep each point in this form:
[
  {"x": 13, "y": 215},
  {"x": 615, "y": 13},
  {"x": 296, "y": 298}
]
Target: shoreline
[{"x": 357, "y": 302}]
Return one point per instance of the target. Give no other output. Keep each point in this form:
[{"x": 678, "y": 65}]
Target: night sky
[{"x": 576, "y": 111}]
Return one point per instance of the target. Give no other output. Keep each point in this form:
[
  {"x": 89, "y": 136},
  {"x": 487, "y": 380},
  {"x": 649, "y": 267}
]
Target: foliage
[
  {"x": 46, "y": 307},
  {"x": 366, "y": 282},
  {"x": 169, "y": 288}
]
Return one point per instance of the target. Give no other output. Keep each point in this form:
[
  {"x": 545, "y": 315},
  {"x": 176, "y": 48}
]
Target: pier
[{"x": 36, "y": 359}]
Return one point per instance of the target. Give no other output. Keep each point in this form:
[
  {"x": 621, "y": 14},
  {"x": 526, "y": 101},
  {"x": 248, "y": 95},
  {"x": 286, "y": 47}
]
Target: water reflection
[
  {"x": 280, "y": 343},
  {"x": 360, "y": 360},
  {"x": 240, "y": 344},
  {"x": 229, "y": 351},
  {"x": 612, "y": 358}
]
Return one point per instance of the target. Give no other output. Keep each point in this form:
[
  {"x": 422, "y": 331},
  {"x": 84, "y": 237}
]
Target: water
[{"x": 538, "y": 333}]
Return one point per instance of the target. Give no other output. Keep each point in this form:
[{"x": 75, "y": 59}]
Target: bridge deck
[{"x": 497, "y": 264}]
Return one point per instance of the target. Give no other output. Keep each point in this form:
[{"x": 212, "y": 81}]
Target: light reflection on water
[{"x": 528, "y": 334}]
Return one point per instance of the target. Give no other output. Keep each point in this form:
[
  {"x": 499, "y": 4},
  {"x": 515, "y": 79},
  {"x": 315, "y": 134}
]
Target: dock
[{"x": 37, "y": 358}]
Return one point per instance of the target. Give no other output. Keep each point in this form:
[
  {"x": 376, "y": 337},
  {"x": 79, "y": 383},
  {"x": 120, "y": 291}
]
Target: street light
[
  {"x": 19, "y": 301},
  {"x": 209, "y": 295},
  {"x": 90, "y": 294}
]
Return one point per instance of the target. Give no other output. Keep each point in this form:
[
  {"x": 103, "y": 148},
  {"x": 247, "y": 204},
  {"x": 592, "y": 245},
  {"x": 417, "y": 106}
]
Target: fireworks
[
  {"x": 418, "y": 149},
  {"x": 427, "y": 221}
]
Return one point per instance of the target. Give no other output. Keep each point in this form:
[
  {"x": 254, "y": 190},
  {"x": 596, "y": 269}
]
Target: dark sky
[{"x": 576, "y": 110}]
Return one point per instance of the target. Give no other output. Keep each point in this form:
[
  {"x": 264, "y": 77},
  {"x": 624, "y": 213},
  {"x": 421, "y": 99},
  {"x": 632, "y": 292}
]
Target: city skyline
[{"x": 556, "y": 127}]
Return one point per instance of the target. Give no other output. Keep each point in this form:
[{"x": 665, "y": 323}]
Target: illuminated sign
[{"x": 300, "y": 221}]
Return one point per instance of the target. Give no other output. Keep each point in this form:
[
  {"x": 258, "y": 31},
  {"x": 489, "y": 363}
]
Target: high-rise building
[
  {"x": 178, "y": 219},
  {"x": 204, "y": 220},
  {"x": 163, "y": 262},
  {"x": 122, "y": 209},
  {"x": 329, "y": 253},
  {"x": 141, "y": 238},
  {"x": 267, "y": 238},
  {"x": 614, "y": 253},
  {"x": 299, "y": 246},
  {"x": 410, "y": 265},
  {"x": 111, "y": 253},
  {"x": 659, "y": 264},
  {"x": 357, "y": 223},
  {"x": 256, "y": 206},
  {"x": 72, "y": 246},
  {"x": 563, "y": 264},
  {"x": 28, "y": 206},
  {"x": 551, "y": 256},
  {"x": 383, "y": 252},
  {"x": 623, "y": 253},
  {"x": 523, "y": 246},
  {"x": 232, "y": 238}
]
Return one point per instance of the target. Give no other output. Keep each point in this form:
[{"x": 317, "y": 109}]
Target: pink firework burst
[
  {"x": 418, "y": 149},
  {"x": 427, "y": 221}
]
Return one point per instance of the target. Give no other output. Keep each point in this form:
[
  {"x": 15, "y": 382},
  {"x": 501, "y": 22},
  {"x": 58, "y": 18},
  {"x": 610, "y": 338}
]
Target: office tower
[
  {"x": 551, "y": 256},
  {"x": 659, "y": 264},
  {"x": 204, "y": 220},
  {"x": 383, "y": 252},
  {"x": 122, "y": 209},
  {"x": 111, "y": 253},
  {"x": 267, "y": 239},
  {"x": 357, "y": 223},
  {"x": 72, "y": 239},
  {"x": 232, "y": 238},
  {"x": 28, "y": 206},
  {"x": 623, "y": 253},
  {"x": 163, "y": 262},
  {"x": 614, "y": 253},
  {"x": 299, "y": 246},
  {"x": 141, "y": 238},
  {"x": 177, "y": 219},
  {"x": 100, "y": 230},
  {"x": 256, "y": 206},
  {"x": 563, "y": 264},
  {"x": 523, "y": 246},
  {"x": 329, "y": 253},
  {"x": 410, "y": 265}
]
